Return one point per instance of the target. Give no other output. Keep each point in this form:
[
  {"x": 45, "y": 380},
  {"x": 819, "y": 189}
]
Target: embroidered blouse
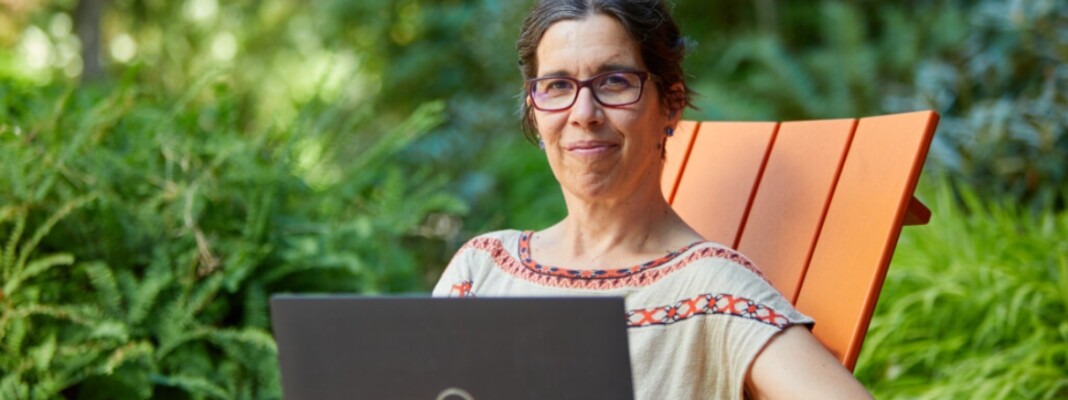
[{"x": 697, "y": 317}]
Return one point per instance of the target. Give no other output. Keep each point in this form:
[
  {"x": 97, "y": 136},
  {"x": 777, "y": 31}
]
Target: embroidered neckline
[{"x": 529, "y": 263}]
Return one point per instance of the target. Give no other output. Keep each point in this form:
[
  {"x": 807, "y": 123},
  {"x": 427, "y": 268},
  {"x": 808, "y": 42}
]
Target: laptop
[{"x": 353, "y": 347}]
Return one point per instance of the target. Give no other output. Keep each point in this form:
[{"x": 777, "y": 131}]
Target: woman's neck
[{"x": 613, "y": 233}]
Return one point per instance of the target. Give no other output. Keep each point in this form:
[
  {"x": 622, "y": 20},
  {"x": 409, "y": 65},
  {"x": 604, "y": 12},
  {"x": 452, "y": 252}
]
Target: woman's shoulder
[
  {"x": 710, "y": 268},
  {"x": 492, "y": 240},
  {"x": 489, "y": 248},
  {"x": 722, "y": 258},
  {"x": 474, "y": 260}
]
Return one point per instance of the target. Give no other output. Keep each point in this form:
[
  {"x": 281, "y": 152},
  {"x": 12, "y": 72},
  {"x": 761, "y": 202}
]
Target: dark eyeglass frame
[{"x": 588, "y": 83}]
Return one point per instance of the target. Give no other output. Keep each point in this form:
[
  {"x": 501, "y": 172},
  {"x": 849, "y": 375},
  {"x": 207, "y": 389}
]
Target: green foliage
[
  {"x": 975, "y": 305},
  {"x": 142, "y": 234},
  {"x": 994, "y": 70},
  {"x": 245, "y": 148},
  {"x": 1004, "y": 91}
]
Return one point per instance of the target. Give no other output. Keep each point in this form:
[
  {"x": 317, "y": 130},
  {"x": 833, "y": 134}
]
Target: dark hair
[{"x": 648, "y": 22}]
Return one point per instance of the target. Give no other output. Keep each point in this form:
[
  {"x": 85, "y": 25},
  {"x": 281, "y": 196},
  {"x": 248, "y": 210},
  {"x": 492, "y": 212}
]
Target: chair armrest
[{"x": 917, "y": 213}]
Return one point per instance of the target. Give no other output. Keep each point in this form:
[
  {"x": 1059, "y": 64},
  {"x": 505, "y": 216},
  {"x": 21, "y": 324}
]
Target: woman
[{"x": 604, "y": 91}]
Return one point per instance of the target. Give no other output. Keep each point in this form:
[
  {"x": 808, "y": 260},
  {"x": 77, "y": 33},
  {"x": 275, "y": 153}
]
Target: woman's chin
[
  {"x": 592, "y": 186},
  {"x": 598, "y": 161}
]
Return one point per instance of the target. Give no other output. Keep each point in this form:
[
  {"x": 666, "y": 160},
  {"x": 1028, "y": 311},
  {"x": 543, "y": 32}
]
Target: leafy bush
[
  {"x": 996, "y": 71},
  {"x": 1003, "y": 92},
  {"x": 144, "y": 224},
  {"x": 143, "y": 235},
  {"x": 975, "y": 305}
]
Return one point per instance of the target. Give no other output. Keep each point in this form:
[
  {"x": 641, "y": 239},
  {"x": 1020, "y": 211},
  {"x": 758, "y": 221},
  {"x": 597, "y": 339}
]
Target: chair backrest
[{"x": 817, "y": 205}]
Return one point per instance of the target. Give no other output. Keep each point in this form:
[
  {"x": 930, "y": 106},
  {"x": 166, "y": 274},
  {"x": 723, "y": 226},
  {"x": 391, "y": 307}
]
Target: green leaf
[
  {"x": 42, "y": 354},
  {"x": 13, "y": 387},
  {"x": 7, "y": 264},
  {"x": 42, "y": 230},
  {"x": 194, "y": 385},
  {"x": 127, "y": 353},
  {"x": 110, "y": 329},
  {"x": 107, "y": 289},
  {"x": 36, "y": 267}
]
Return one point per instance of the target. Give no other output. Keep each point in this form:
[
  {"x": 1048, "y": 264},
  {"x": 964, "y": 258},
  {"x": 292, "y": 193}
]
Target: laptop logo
[{"x": 454, "y": 394}]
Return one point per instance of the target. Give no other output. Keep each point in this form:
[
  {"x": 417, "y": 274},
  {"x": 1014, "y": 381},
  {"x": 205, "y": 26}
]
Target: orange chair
[{"x": 817, "y": 205}]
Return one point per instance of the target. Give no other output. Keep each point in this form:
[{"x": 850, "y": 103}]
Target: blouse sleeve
[
  {"x": 456, "y": 281},
  {"x": 767, "y": 313}
]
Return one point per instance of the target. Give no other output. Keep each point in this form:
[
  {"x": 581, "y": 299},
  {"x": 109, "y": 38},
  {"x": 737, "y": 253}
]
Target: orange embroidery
[
  {"x": 462, "y": 289},
  {"x": 640, "y": 275},
  {"x": 706, "y": 304}
]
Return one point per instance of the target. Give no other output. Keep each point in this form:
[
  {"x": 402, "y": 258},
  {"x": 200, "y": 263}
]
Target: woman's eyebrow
[
  {"x": 615, "y": 67},
  {"x": 556, "y": 74},
  {"x": 610, "y": 67}
]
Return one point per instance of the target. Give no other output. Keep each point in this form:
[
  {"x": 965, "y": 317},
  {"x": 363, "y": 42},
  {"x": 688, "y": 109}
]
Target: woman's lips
[{"x": 590, "y": 147}]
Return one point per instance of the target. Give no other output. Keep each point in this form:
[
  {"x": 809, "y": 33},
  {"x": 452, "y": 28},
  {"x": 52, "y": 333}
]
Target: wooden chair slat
[
  {"x": 795, "y": 189},
  {"x": 725, "y": 162},
  {"x": 861, "y": 228}
]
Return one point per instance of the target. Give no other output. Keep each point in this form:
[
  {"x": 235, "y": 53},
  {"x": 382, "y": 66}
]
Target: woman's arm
[{"x": 794, "y": 365}]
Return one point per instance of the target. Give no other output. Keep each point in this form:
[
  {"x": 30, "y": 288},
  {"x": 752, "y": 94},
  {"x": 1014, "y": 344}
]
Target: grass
[{"x": 975, "y": 305}]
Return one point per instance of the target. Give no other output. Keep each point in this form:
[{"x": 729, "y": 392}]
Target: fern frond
[
  {"x": 43, "y": 354},
  {"x": 13, "y": 332},
  {"x": 79, "y": 315},
  {"x": 46, "y": 386},
  {"x": 110, "y": 329},
  {"x": 42, "y": 264},
  {"x": 81, "y": 360},
  {"x": 128, "y": 352},
  {"x": 195, "y": 88},
  {"x": 255, "y": 314},
  {"x": 128, "y": 285},
  {"x": 42, "y": 231},
  {"x": 34, "y": 268},
  {"x": 422, "y": 120},
  {"x": 171, "y": 331},
  {"x": 8, "y": 211},
  {"x": 14, "y": 325},
  {"x": 12, "y": 387},
  {"x": 256, "y": 338},
  {"x": 142, "y": 300},
  {"x": 103, "y": 281},
  {"x": 203, "y": 294},
  {"x": 145, "y": 297},
  {"x": 248, "y": 347},
  {"x": 259, "y": 216},
  {"x": 242, "y": 262},
  {"x": 193, "y": 384},
  {"x": 7, "y": 264}
]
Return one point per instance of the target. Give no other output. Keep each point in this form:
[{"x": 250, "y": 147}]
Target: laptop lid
[{"x": 351, "y": 347}]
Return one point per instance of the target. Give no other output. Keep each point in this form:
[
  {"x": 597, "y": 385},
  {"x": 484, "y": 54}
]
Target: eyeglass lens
[{"x": 611, "y": 89}]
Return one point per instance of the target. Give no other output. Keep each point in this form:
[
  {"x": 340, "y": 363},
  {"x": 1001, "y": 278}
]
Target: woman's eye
[
  {"x": 558, "y": 85},
  {"x": 615, "y": 82}
]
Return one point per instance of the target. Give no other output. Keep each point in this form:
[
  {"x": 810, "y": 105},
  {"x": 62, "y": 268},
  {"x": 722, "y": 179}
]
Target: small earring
[
  {"x": 541, "y": 144},
  {"x": 669, "y": 131}
]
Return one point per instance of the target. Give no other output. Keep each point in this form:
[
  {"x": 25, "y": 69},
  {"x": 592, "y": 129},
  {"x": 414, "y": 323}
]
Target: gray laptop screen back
[{"x": 348, "y": 347}]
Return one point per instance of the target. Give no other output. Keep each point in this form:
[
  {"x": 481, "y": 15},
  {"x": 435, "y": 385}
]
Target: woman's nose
[{"x": 586, "y": 111}]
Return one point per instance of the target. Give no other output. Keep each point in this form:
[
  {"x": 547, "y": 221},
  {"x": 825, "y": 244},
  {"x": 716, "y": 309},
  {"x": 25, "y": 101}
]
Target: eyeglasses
[{"x": 611, "y": 89}]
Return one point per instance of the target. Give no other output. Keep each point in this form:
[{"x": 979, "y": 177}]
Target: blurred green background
[{"x": 167, "y": 165}]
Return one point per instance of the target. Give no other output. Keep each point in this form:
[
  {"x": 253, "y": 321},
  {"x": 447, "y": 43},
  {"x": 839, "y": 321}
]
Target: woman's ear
[
  {"x": 676, "y": 101},
  {"x": 528, "y": 115}
]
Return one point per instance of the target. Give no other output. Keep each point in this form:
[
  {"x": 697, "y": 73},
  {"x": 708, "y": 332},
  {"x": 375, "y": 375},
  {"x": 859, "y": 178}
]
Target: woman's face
[{"x": 599, "y": 153}]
